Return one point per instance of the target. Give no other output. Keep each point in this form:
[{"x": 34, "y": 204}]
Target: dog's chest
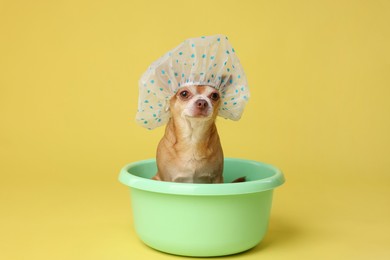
[{"x": 196, "y": 166}]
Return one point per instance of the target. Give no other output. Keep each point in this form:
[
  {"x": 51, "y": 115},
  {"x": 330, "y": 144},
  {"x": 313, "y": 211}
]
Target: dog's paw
[{"x": 241, "y": 179}]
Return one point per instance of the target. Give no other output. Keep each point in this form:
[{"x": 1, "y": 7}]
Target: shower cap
[{"x": 207, "y": 60}]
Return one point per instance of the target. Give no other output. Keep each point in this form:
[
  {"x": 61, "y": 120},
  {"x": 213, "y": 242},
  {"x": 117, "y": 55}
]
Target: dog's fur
[{"x": 190, "y": 151}]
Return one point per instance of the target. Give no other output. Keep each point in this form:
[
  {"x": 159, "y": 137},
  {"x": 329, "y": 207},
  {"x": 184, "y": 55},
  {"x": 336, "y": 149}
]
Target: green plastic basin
[{"x": 202, "y": 219}]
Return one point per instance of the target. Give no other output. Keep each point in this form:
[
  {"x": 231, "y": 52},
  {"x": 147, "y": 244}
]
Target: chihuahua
[{"x": 190, "y": 150}]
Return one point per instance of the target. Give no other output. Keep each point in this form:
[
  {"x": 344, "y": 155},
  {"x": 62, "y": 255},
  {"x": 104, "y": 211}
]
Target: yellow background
[{"x": 319, "y": 75}]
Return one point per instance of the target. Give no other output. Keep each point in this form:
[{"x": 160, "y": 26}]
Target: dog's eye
[
  {"x": 184, "y": 94},
  {"x": 214, "y": 96}
]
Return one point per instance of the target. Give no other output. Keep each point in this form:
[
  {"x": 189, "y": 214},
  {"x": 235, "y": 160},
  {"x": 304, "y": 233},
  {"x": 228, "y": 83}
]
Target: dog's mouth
[
  {"x": 200, "y": 113},
  {"x": 199, "y": 116}
]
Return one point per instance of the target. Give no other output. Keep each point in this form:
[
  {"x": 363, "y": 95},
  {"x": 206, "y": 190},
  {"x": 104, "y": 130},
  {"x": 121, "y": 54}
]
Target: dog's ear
[
  {"x": 226, "y": 80},
  {"x": 168, "y": 104}
]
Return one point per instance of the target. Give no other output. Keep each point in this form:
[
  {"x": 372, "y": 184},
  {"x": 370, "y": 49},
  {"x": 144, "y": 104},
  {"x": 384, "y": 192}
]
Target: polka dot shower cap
[{"x": 209, "y": 60}]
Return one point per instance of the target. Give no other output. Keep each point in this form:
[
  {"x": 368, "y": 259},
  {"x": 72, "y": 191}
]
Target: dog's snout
[{"x": 201, "y": 103}]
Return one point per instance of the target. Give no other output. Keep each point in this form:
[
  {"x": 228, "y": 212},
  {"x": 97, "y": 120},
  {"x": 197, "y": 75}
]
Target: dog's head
[{"x": 198, "y": 102}]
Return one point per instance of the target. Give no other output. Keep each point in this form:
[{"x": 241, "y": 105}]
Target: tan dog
[{"x": 190, "y": 151}]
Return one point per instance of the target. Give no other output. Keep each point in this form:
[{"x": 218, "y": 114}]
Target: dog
[{"x": 190, "y": 150}]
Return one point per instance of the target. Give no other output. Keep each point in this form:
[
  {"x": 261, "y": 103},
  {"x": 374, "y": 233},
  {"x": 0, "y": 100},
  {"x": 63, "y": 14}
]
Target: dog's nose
[{"x": 201, "y": 103}]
